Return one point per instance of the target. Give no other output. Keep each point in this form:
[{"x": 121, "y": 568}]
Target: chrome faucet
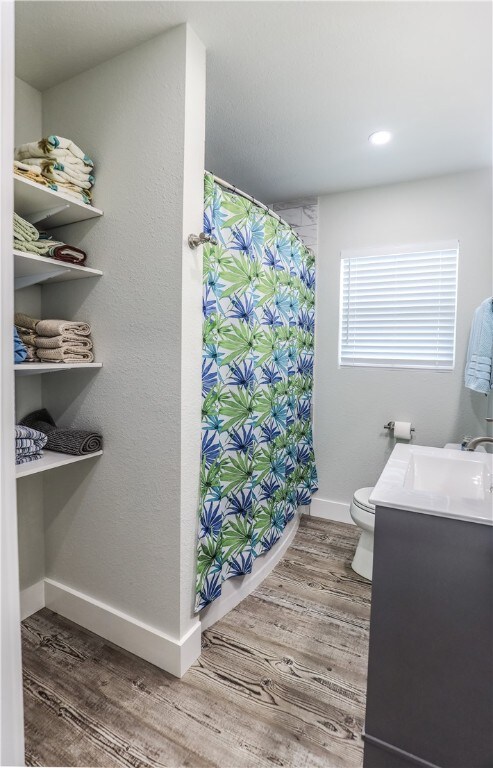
[{"x": 471, "y": 445}]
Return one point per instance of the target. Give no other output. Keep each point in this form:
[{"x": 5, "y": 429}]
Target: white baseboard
[
  {"x": 149, "y": 643},
  {"x": 330, "y": 510},
  {"x": 236, "y": 589},
  {"x": 32, "y": 599}
]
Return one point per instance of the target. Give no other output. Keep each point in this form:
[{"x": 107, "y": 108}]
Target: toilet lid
[{"x": 361, "y": 499}]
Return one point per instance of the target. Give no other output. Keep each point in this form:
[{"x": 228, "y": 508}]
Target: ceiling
[{"x": 295, "y": 88}]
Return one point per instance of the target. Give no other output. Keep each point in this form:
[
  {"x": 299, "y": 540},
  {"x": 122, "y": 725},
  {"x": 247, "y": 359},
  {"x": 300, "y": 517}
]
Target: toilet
[{"x": 363, "y": 513}]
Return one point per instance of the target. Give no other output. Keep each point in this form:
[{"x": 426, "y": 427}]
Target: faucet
[{"x": 471, "y": 445}]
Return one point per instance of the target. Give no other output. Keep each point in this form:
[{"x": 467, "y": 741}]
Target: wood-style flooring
[{"x": 281, "y": 680}]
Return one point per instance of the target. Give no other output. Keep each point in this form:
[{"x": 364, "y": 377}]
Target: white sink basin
[{"x": 438, "y": 481}]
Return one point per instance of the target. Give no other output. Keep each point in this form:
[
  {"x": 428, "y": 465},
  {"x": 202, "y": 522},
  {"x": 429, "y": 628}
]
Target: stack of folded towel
[
  {"x": 28, "y": 444},
  {"x": 77, "y": 442},
  {"x": 60, "y": 163},
  {"x": 28, "y": 239},
  {"x": 56, "y": 341}
]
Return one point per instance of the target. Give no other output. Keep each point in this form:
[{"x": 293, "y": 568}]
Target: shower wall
[{"x": 302, "y": 214}]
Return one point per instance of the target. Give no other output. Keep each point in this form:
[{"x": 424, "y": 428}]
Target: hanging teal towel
[{"x": 478, "y": 374}]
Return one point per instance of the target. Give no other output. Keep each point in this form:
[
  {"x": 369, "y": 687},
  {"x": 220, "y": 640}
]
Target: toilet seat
[{"x": 361, "y": 500}]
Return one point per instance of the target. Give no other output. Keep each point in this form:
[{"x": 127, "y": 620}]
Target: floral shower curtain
[{"x": 258, "y": 463}]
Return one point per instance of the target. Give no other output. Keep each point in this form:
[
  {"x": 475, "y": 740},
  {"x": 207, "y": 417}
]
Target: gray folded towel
[{"x": 76, "y": 442}]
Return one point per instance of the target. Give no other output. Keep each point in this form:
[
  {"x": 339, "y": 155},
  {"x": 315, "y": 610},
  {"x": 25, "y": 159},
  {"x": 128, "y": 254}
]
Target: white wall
[
  {"x": 351, "y": 405},
  {"x": 28, "y": 118},
  {"x": 28, "y": 127},
  {"x": 121, "y": 529},
  {"x": 11, "y": 710}
]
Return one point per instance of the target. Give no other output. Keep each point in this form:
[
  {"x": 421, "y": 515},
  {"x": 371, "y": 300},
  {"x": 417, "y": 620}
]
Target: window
[{"x": 398, "y": 307}]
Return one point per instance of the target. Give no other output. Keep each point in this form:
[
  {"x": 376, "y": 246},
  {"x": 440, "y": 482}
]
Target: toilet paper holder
[{"x": 391, "y": 424}]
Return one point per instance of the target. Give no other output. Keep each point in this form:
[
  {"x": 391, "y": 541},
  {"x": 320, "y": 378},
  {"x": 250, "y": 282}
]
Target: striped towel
[
  {"x": 76, "y": 442},
  {"x": 29, "y": 443}
]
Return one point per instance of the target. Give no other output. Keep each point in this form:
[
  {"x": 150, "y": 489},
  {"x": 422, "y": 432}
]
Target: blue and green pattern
[{"x": 258, "y": 463}]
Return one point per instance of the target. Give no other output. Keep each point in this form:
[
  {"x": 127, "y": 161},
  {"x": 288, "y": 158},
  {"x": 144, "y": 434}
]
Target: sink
[
  {"x": 453, "y": 475},
  {"x": 438, "y": 481}
]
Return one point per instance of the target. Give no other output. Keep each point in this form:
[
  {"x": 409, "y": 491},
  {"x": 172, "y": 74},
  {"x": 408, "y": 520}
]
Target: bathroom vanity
[{"x": 430, "y": 673}]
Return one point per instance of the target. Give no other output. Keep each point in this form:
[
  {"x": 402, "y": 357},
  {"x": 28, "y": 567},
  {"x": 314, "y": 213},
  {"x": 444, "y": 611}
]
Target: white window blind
[{"x": 398, "y": 307}]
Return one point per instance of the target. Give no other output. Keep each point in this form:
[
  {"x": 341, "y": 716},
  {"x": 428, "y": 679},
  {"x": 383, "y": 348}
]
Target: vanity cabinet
[{"x": 430, "y": 673}]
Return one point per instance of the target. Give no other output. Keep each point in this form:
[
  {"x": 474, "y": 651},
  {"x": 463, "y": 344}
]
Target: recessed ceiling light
[{"x": 380, "y": 137}]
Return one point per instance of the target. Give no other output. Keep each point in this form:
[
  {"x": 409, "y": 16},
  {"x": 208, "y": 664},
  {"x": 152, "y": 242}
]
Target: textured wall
[
  {"x": 351, "y": 405},
  {"x": 28, "y": 127},
  {"x": 115, "y": 526}
]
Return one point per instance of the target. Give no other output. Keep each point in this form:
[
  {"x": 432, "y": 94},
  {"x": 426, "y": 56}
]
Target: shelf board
[
  {"x": 31, "y": 269},
  {"x": 40, "y": 204},
  {"x": 50, "y": 460},
  {"x": 28, "y": 369}
]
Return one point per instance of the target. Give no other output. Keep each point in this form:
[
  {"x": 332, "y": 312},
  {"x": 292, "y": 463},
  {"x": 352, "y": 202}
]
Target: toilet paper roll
[{"x": 402, "y": 430}]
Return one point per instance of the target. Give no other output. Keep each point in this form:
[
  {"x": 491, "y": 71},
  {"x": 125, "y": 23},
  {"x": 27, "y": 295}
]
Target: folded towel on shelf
[
  {"x": 77, "y": 442},
  {"x": 27, "y": 337},
  {"x": 20, "y": 351},
  {"x": 67, "y": 253},
  {"x": 479, "y": 365},
  {"x": 63, "y": 165},
  {"x": 27, "y": 238},
  {"x": 31, "y": 457},
  {"x": 62, "y": 172},
  {"x": 33, "y": 175},
  {"x": 24, "y": 321},
  {"x": 24, "y": 230},
  {"x": 38, "y": 247},
  {"x": 68, "y": 340},
  {"x": 59, "y": 327},
  {"x": 65, "y": 355},
  {"x": 31, "y": 355},
  {"x": 29, "y": 443},
  {"x": 53, "y": 146}
]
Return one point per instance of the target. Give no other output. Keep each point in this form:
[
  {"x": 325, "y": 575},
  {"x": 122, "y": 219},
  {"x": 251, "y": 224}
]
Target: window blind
[{"x": 398, "y": 309}]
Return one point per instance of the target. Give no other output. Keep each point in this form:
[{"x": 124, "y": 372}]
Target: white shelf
[
  {"x": 31, "y": 269},
  {"x": 28, "y": 369},
  {"x": 50, "y": 460},
  {"x": 40, "y": 204}
]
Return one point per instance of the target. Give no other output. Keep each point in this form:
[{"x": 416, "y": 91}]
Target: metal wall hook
[{"x": 195, "y": 240}]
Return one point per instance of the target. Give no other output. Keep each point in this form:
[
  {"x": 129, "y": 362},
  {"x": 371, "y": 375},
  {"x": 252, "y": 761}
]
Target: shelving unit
[
  {"x": 41, "y": 205},
  {"x": 51, "y": 460},
  {"x": 31, "y": 269},
  {"x": 28, "y": 369}
]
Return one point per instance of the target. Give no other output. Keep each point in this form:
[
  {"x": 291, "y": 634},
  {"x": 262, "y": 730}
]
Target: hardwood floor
[{"x": 281, "y": 680}]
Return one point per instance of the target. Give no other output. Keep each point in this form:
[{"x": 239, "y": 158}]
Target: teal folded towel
[{"x": 479, "y": 366}]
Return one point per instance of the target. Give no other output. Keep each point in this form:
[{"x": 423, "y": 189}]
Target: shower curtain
[{"x": 258, "y": 463}]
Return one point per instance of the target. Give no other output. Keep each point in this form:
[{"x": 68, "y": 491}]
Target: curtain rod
[{"x": 254, "y": 200}]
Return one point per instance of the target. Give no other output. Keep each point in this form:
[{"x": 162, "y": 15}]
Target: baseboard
[
  {"x": 235, "y": 590},
  {"x": 32, "y": 599},
  {"x": 330, "y": 510},
  {"x": 149, "y": 643}
]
